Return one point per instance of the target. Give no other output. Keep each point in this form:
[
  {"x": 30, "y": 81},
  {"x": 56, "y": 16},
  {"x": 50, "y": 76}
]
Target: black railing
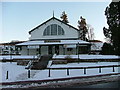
[
  {"x": 68, "y": 69},
  {"x": 84, "y": 68}
]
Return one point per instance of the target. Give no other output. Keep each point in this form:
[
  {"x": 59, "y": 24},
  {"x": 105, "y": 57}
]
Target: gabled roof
[{"x": 48, "y": 21}]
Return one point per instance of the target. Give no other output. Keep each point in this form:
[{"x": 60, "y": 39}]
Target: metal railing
[
  {"x": 68, "y": 69},
  {"x": 84, "y": 68}
]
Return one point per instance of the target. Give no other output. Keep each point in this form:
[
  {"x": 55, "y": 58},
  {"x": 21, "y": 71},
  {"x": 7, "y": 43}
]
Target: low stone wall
[
  {"x": 84, "y": 60},
  {"x": 59, "y": 62}
]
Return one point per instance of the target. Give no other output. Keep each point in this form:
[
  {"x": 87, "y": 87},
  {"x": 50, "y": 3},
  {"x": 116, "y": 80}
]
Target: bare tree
[{"x": 90, "y": 32}]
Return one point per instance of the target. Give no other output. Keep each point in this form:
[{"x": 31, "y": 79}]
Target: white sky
[{"x": 18, "y": 18}]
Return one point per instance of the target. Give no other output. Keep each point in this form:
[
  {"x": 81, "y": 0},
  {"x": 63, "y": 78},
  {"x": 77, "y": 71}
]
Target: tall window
[{"x": 53, "y": 29}]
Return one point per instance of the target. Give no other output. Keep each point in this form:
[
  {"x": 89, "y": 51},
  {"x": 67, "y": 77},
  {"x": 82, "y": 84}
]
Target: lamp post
[
  {"x": 78, "y": 50},
  {"x": 11, "y": 53}
]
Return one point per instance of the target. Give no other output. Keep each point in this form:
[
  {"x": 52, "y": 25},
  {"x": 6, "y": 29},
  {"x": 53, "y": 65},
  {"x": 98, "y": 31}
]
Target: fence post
[
  {"x": 49, "y": 73},
  {"x": 99, "y": 69},
  {"x": 7, "y": 75},
  {"x": 28, "y": 73},
  {"x": 84, "y": 70},
  {"x": 67, "y": 71},
  {"x": 113, "y": 69}
]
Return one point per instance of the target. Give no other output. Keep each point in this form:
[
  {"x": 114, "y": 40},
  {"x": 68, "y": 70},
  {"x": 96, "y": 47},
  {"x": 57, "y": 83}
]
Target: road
[
  {"x": 95, "y": 82},
  {"x": 115, "y": 84}
]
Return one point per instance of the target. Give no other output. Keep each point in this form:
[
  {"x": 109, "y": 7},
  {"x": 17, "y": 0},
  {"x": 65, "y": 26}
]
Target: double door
[{"x": 53, "y": 49}]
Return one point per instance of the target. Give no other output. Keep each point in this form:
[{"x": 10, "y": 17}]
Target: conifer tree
[
  {"x": 82, "y": 28},
  {"x": 113, "y": 20},
  {"x": 64, "y": 17}
]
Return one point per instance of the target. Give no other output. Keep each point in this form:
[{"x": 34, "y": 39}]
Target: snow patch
[
  {"x": 19, "y": 73},
  {"x": 87, "y": 56}
]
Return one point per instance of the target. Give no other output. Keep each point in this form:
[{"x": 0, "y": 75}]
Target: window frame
[{"x": 55, "y": 29}]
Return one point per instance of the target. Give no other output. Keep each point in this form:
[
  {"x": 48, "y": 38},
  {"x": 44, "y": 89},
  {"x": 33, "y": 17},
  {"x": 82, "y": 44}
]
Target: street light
[
  {"x": 78, "y": 50},
  {"x": 11, "y": 49}
]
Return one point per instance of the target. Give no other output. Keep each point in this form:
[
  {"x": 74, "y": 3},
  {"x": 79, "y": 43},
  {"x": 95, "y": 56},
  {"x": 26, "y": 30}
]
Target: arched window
[{"x": 53, "y": 29}]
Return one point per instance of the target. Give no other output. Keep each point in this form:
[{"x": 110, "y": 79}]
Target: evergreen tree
[
  {"x": 64, "y": 17},
  {"x": 82, "y": 28},
  {"x": 113, "y": 20},
  {"x": 107, "y": 49},
  {"x": 107, "y": 34}
]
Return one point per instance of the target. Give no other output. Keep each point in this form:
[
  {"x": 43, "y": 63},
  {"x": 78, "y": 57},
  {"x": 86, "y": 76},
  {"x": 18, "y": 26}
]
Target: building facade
[
  {"x": 10, "y": 48},
  {"x": 96, "y": 46},
  {"x": 54, "y": 37}
]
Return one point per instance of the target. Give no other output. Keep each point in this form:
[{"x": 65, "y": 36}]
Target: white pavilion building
[{"x": 54, "y": 37}]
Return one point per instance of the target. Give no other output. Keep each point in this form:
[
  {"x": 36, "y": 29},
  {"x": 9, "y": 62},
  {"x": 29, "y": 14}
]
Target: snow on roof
[
  {"x": 31, "y": 43},
  {"x": 51, "y": 43},
  {"x": 74, "y": 42},
  {"x": 11, "y": 43}
]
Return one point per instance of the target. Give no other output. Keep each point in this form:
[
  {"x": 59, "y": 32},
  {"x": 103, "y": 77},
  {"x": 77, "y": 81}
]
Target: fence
[
  {"x": 85, "y": 68},
  {"x": 68, "y": 69}
]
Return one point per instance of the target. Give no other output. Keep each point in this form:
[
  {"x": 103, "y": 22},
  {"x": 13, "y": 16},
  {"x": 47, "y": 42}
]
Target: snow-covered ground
[
  {"x": 17, "y": 57},
  {"x": 81, "y": 56},
  {"x": 19, "y": 73},
  {"x": 85, "y": 56}
]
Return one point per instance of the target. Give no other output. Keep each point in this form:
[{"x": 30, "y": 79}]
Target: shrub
[{"x": 68, "y": 58}]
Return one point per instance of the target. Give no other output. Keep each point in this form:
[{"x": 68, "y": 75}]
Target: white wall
[
  {"x": 24, "y": 50},
  {"x": 69, "y": 31},
  {"x": 44, "y": 50},
  {"x": 33, "y": 52}
]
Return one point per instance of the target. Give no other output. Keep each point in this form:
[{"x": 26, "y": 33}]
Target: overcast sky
[{"x": 18, "y": 18}]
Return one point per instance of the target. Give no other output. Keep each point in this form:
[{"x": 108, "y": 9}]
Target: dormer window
[{"x": 53, "y": 29}]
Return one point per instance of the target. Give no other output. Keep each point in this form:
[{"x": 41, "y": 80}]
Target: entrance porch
[{"x": 63, "y": 47}]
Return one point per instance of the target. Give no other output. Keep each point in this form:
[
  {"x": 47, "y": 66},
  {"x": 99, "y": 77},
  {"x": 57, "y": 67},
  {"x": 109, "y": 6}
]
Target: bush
[
  {"x": 107, "y": 49},
  {"x": 68, "y": 58}
]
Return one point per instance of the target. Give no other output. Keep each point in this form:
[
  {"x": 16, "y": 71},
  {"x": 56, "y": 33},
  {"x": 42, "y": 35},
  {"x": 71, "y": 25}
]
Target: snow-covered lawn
[
  {"x": 81, "y": 56},
  {"x": 18, "y": 73},
  {"x": 13, "y": 69},
  {"x": 85, "y": 64},
  {"x": 85, "y": 56},
  {"x": 17, "y": 57}
]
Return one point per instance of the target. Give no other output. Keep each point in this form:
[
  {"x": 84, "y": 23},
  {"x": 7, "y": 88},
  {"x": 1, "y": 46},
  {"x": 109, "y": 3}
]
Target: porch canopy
[{"x": 66, "y": 43}]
